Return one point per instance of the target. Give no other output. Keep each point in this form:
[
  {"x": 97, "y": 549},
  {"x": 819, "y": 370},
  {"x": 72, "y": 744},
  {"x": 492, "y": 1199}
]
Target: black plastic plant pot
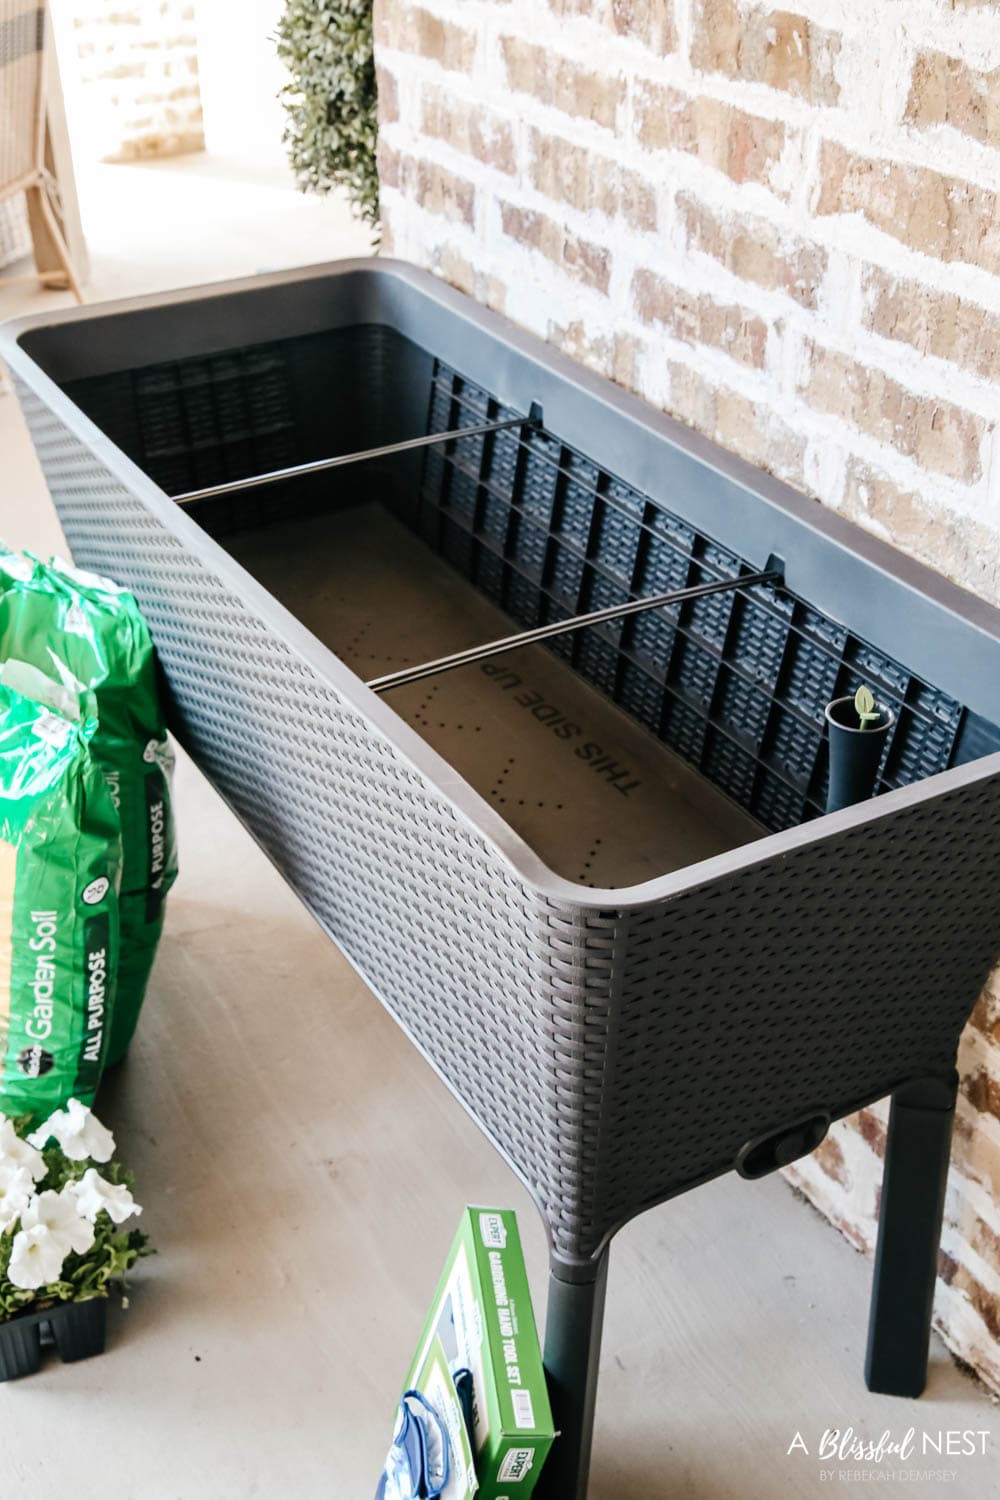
[
  {"x": 77, "y": 1329},
  {"x": 855, "y": 753}
]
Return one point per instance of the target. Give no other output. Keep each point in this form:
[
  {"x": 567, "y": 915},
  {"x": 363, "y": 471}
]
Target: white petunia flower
[
  {"x": 19, "y": 1153},
  {"x": 58, "y": 1213},
  {"x": 78, "y": 1131},
  {"x": 93, "y": 1193},
  {"x": 36, "y": 1258},
  {"x": 16, "y": 1188}
]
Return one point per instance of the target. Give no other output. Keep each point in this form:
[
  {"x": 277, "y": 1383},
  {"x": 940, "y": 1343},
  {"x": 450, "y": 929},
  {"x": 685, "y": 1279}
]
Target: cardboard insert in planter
[{"x": 482, "y": 1320}]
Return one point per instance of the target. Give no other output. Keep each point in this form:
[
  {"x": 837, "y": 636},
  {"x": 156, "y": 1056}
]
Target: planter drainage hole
[
  {"x": 584, "y": 875},
  {"x": 501, "y": 780},
  {"x": 780, "y": 1147}
]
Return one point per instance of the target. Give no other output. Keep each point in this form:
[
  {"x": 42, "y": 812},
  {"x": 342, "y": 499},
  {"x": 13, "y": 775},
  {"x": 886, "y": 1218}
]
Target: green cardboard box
[{"x": 482, "y": 1320}]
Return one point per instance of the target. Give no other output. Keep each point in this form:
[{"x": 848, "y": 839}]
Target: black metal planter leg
[
  {"x": 573, "y": 1326},
  {"x": 909, "y": 1232}
]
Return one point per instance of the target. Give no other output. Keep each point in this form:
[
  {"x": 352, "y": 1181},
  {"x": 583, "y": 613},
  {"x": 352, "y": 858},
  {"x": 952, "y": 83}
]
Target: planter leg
[
  {"x": 573, "y": 1325},
  {"x": 909, "y": 1232}
]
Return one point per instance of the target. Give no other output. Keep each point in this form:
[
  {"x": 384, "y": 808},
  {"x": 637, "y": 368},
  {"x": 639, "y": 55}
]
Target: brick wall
[
  {"x": 784, "y": 228},
  {"x": 138, "y": 75}
]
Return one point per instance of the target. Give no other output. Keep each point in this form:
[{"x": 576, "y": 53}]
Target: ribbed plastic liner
[{"x": 737, "y": 684}]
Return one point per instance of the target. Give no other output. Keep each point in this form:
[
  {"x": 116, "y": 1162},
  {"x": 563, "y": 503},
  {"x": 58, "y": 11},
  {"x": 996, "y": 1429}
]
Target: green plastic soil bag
[
  {"x": 87, "y": 634},
  {"x": 60, "y": 862}
]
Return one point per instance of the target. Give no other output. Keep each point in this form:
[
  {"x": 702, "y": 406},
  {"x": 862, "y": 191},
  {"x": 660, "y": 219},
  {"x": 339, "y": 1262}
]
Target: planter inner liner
[{"x": 735, "y": 685}]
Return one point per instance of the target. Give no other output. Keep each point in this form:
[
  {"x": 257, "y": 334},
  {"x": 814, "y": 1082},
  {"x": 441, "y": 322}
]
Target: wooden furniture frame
[{"x": 34, "y": 149}]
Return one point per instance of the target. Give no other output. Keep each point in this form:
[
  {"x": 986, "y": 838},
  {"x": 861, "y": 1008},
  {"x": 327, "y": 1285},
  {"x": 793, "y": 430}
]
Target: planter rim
[{"x": 889, "y": 718}]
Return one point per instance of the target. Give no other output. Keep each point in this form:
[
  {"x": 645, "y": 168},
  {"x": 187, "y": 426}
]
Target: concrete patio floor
[{"x": 303, "y": 1170}]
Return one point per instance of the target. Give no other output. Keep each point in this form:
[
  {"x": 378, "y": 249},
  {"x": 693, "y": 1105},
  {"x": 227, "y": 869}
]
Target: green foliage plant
[
  {"x": 864, "y": 707},
  {"x": 331, "y": 99}
]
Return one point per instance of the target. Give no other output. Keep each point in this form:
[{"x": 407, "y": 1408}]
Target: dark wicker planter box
[
  {"x": 77, "y": 1329},
  {"x": 634, "y": 979}
]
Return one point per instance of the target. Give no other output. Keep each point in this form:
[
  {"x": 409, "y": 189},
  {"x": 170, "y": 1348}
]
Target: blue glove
[{"x": 419, "y": 1459}]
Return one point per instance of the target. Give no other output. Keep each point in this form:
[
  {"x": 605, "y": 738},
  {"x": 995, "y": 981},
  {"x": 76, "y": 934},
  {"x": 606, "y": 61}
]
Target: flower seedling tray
[
  {"x": 592, "y": 879},
  {"x": 76, "y": 1329}
]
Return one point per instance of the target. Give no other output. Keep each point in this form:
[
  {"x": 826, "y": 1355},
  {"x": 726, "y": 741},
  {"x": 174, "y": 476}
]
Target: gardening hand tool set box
[{"x": 481, "y": 1327}]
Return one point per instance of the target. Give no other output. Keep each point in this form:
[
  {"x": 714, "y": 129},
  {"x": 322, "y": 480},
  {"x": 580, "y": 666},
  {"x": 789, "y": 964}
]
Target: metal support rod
[
  {"x": 318, "y": 465},
  {"x": 909, "y": 1233},
  {"x": 573, "y": 1325},
  {"x": 559, "y": 627}
]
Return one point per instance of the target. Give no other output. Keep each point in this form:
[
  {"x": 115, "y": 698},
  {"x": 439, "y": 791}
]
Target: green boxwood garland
[{"x": 331, "y": 98}]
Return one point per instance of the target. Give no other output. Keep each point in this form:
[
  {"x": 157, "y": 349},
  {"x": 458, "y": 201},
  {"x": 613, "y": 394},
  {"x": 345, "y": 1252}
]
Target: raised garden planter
[{"x": 593, "y": 883}]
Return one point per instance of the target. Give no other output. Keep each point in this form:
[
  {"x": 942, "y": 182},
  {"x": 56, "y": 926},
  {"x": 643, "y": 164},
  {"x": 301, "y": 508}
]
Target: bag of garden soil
[
  {"x": 60, "y": 863},
  {"x": 87, "y": 634}
]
